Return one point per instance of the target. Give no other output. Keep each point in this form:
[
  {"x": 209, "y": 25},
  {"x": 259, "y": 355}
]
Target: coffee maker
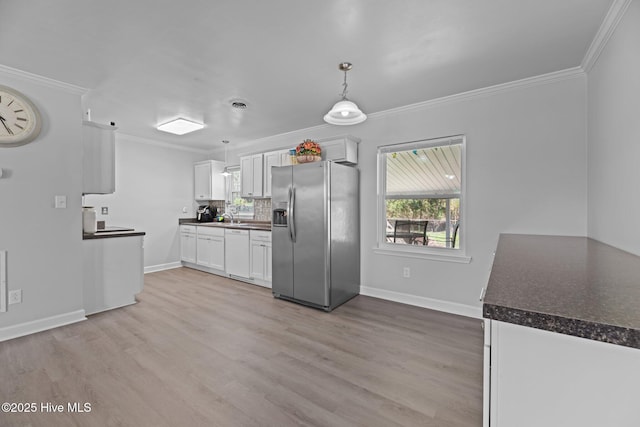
[{"x": 205, "y": 213}]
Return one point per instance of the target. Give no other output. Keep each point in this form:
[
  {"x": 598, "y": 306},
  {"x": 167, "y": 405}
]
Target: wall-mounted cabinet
[
  {"x": 255, "y": 170},
  {"x": 251, "y": 169},
  {"x": 98, "y": 158},
  {"x": 271, "y": 159},
  {"x": 208, "y": 180},
  {"x": 342, "y": 149}
]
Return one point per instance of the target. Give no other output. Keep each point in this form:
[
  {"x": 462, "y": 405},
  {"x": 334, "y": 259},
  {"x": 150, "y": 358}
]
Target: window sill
[{"x": 448, "y": 255}]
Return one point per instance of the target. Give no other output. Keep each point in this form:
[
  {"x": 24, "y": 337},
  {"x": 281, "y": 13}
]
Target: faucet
[{"x": 230, "y": 215}]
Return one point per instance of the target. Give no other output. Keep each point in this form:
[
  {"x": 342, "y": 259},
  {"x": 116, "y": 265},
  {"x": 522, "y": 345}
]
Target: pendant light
[
  {"x": 225, "y": 172},
  {"x": 345, "y": 112}
]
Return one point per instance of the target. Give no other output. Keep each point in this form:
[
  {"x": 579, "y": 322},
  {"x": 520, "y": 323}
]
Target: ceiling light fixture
[
  {"x": 345, "y": 112},
  {"x": 180, "y": 126},
  {"x": 225, "y": 172}
]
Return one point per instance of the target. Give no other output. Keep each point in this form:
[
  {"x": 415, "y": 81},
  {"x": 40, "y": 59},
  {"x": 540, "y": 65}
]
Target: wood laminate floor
[{"x": 201, "y": 350}]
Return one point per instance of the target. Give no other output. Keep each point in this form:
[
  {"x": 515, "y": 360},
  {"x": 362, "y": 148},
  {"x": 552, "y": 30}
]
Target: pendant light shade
[{"x": 345, "y": 112}]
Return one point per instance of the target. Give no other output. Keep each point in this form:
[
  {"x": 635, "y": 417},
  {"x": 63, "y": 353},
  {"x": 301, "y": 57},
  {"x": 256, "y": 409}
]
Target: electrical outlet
[
  {"x": 105, "y": 210},
  {"x": 15, "y": 297},
  {"x": 60, "y": 202},
  {"x": 406, "y": 272}
]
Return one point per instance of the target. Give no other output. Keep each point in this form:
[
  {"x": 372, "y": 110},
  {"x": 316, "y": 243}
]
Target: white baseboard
[
  {"x": 431, "y": 303},
  {"x": 27, "y": 328},
  {"x": 161, "y": 267}
]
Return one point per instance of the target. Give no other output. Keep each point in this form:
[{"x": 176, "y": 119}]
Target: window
[
  {"x": 421, "y": 196},
  {"x": 239, "y": 207}
]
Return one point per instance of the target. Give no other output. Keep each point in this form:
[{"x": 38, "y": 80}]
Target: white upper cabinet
[
  {"x": 251, "y": 168},
  {"x": 98, "y": 158},
  {"x": 285, "y": 158},
  {"x": 342, "y": 149},
  {"x": 271, "y": 159},
  {"x": 208, "y": 180}
]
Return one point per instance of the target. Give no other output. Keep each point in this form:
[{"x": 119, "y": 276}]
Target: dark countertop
[
  {"x": 112, "y": 231},
  {"x": 244, "y": 225},
  {"x": 569, "y": 285}
]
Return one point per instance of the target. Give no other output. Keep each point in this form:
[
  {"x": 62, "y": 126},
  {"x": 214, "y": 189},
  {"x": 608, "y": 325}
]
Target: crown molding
[
  {"x": 556, "y": 76},
  {"x": 606, "y": 30},
  {"x": 147, "y": 141},
  {"x": 45, "y": 81}
]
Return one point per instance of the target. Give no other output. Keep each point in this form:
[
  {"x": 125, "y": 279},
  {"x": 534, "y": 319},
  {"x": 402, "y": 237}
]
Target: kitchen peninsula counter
[
  {"x": 109, "y": 232},
  {"x": 112, "y": 268},
  {"x": 569, "y": 285},
  {"x": 561, "y": 334}
]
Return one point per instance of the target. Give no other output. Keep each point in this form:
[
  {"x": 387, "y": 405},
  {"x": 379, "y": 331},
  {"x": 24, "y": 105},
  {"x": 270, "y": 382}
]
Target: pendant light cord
[{"x": 344, "y": 91}]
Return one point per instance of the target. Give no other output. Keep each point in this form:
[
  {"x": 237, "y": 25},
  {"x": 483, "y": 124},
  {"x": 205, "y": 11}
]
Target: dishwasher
[{"x": 236, "y": 249}]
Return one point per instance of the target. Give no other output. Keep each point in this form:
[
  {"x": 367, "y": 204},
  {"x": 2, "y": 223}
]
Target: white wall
[
  {"x": 614, "y": 138},
  {"x": 153, "y": 183},
  {"x": 526, "y": 173},
  {"x": 43, "y": 243}
]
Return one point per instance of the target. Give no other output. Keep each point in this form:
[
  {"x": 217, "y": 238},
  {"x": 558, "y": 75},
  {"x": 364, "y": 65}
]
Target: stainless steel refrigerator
[{"x": 315, "y": 234}]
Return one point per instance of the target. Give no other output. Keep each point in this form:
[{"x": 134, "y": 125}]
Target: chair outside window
[
  {"x": 411, "y": 232},
  {"x": 452, "y": 240},
  {"x": 455, "y": 234}
]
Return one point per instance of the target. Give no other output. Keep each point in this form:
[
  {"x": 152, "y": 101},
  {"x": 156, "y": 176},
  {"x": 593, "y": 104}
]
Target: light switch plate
[
  {"x": 60, "y": 202},
  {"x": 105, "y": 210}
]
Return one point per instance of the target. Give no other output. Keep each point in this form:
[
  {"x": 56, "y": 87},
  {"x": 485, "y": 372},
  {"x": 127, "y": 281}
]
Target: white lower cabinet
[
  {"x": 188, "y": 245},
  {"x": 541, "y": 378},
  {"x": 261, "y": 257},
  {"x": 210, "y": 247},
  {"x": 112, "y": 272},
  {"x": 236, "y": 252}
]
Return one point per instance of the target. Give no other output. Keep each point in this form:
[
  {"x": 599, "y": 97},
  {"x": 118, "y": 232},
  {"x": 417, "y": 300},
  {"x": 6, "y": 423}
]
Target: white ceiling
[{"x": 149, "y": 61}]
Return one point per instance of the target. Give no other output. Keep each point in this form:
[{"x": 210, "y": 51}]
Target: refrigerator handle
[
  {"x": 289, "y": 213},
  {"x": 292, "y": 215}
]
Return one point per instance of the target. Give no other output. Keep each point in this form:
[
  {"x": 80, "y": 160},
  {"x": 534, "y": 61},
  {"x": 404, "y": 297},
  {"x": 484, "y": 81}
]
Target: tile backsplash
[
  {"x": 218, "y": 204},
  {"x": 262, "y": 209}
]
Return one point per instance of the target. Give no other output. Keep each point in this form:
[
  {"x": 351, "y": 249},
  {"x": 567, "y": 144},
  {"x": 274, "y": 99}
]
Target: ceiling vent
[{"x": 239, "y": 104}]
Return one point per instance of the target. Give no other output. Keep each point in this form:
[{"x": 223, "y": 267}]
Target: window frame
[
  {"x": 229, "y": 196},
  {"x": 458, "y": 254}
]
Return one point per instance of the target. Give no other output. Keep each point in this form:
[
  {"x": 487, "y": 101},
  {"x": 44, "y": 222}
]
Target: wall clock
[{"x": 19, "y": 118}]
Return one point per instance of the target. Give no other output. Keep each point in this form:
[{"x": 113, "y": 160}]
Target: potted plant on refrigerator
[{"x": 308, "y": 151}]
